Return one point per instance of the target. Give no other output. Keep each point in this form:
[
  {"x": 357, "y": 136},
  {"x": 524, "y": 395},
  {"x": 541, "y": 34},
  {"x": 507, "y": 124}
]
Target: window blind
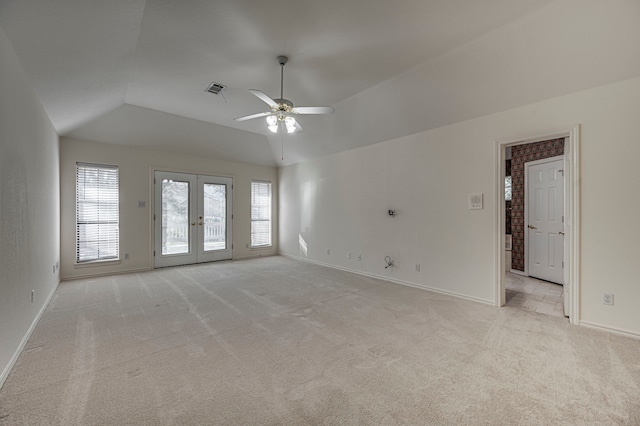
[
  {"x": 260, "y": 214},
  {"x": 97, "y": 206}
]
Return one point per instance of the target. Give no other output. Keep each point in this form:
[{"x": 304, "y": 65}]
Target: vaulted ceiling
[{"x": 135, "y": 72}]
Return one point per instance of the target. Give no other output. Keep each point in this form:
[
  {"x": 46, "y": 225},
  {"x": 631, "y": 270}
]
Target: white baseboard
[
  {"x": 255, "y": 256},
  {"x": 515, "y": 271},
  {"x": 612, "y": 330},
  {"x": 25, "y": 339},
  {"x": 396, "y": 281},
  {"x": 106, "y": 274}
]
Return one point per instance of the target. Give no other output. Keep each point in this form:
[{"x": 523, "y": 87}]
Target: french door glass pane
[
  {"x": 175, "y": 217},
  {"x": 215, "y": 217}
]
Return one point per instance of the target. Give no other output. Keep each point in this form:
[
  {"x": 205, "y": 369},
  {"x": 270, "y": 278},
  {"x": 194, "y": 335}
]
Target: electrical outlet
[
  {"x": 607, "y": 299},
  {"x": 33, "y": 293},
  {"x": 417, "y": 267},
  {"x": 359, "y": 257},
  {"x": 328, "y": 252},
  {"x": 126, "y": 256},
  {"x": 348, "y": 255}
]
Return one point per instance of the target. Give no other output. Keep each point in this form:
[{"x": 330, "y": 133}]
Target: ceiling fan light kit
[{"x": 282, "y": 110}]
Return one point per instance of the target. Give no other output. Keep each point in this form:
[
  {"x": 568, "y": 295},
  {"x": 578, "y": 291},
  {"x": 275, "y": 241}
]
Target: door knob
[
  {"x": 199, "y": 223},
  {"x": 561, "y": 233},
  {"x": 193, "y": 224},
  {"x": 532, "y": 227}
]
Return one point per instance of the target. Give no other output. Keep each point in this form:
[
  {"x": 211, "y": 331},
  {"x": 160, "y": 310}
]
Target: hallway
[{"x": 534, "y": 295}]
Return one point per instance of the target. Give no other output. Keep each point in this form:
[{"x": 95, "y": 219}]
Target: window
[
  {"x": 507, "y": 188},
  {"x": 97, "y": 205},
  {"x": 260, "y": 214}
]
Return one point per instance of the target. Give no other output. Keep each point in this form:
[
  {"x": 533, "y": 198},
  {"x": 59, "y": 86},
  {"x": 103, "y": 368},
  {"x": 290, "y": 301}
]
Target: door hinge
[
  {"x": 563, "y": 264},
  {"x": 231, "y": 217},
  {"x": 562, "y": 219},
  {"x": 154, "y": 216},
  {"x": 154, "y": 253},
  {"x": 154, "y": 181}
]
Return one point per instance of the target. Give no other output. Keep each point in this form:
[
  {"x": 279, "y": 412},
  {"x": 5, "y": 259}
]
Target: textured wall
[
  {"x": 29, "y": 206},
  {"x": 521, "y": 154}
]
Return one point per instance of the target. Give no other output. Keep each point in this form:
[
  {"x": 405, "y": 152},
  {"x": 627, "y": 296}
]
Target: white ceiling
[{"x": 134, "y": 71}]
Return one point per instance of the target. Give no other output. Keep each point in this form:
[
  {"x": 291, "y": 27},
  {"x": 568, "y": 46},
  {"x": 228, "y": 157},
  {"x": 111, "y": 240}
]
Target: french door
[{"x": 192, "y": 220}]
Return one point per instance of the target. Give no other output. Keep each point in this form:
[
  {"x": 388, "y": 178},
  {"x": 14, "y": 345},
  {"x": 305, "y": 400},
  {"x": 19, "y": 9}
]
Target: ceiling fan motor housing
[{"x": 284, "y": 104}]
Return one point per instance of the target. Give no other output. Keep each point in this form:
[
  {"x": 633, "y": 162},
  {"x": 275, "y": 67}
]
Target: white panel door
[
  {"x": 545, "y": 211},
  {"x": 192, "y": 220}
]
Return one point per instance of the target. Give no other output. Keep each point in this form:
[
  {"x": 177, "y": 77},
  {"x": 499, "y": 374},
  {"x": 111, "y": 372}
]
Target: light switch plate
[{"x": 475, "y": 201}]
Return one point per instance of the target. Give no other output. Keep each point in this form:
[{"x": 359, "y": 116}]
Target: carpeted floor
[{"x": 275, "y": 341}]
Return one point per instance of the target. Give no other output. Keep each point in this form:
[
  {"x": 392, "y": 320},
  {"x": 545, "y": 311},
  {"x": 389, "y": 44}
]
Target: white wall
[
  {"x": 135, "y": 166},
  {"x": 29, "y": 207},
  {"x": 340, "y": 202}
]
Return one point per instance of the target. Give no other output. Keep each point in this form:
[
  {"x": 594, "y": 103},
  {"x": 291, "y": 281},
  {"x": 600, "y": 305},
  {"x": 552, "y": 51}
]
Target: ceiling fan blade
[
  {"x": 264, "y": 98},
  {"x": 258, "y": 115},
  {"x": 314, "y": 110},
  {"x": 299, "y": 127}
]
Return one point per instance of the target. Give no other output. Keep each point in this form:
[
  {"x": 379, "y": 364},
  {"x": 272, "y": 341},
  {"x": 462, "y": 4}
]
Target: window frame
[
  {"x": 112, "y": 212},
  {"x": 269, "y": 220}
]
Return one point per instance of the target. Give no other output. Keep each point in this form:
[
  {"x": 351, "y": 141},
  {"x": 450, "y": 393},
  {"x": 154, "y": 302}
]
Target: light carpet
[{"x": 275, "y": 341}]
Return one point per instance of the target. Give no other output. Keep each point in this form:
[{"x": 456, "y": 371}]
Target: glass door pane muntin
[
  {"x": 214, "y": 220},
  {"x": 175, "y": 217}
]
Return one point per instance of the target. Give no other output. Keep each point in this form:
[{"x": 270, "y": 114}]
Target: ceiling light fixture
[{"x": 272, "y": 123}]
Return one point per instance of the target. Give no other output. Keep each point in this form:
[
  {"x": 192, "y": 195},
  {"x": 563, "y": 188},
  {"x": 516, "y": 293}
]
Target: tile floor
[{"x": 534, "y": 295}]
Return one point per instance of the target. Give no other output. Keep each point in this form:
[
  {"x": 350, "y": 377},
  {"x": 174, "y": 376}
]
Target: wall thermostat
[{"x": 475, "y": 201}]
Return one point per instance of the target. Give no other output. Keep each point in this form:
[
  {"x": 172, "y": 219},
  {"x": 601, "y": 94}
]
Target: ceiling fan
[{"x": 282, "y": 110}]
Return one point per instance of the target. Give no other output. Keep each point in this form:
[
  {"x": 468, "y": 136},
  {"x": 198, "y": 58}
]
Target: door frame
[
  {"x": 571, "y": 206},
  {"x": 152, "y": 204},
  {"x": 526, "y": 204}
]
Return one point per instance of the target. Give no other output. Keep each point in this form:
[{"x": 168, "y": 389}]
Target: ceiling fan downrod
[{"x": 282, "y": 60}]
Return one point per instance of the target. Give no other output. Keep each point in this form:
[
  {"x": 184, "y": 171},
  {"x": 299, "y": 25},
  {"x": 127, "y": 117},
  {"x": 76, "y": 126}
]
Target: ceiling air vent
[{"x": 215, "y": 88}]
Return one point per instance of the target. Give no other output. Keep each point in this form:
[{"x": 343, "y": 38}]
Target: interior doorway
[
  {"x": 192, "y": 218},
  {"x": 566, "y": 145}
]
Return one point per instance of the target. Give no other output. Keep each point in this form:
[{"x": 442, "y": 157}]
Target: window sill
[
  {"x": 95, "y": 263},
  {"x": 261, "y": 247}
]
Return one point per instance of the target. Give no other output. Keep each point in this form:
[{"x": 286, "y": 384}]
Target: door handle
[
  {"x": 193, "y": 224},
  {"x": 532, "y": 227},
  {"x": 561, "y": 233},
  {"x": 199, "y": 223}
]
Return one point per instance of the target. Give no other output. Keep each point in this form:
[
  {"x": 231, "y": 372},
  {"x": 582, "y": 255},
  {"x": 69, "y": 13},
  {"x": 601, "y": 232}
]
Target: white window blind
[
  {"x": 97, "y": 205},
  {"x": 260, "y": 214}
]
